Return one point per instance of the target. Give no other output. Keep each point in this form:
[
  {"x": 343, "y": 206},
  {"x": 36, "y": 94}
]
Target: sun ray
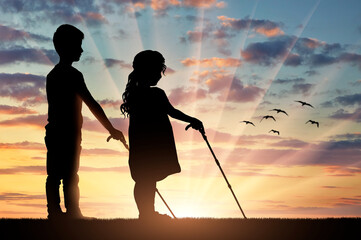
[{"x": 273, "y": 74}]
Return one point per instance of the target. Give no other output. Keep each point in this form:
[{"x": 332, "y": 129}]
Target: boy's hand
[{"x": 118, "y": 135}]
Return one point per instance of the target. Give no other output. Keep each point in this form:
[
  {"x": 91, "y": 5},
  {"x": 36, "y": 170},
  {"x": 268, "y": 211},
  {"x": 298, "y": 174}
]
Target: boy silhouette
[{"x": 66, "y": 90}]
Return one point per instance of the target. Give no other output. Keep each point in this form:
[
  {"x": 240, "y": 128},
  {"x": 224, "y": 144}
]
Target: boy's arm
[{"x": 98, "y": 112}]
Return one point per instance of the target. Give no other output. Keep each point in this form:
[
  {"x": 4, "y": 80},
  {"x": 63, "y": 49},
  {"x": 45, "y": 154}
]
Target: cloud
[
  {"x": 23, "y": 145},
  {"x": 12, "y": 110},
  {"x": 319, "y": 60},
  {"x": 346, "y": 100},
  {"x": 212, "y": 62},
  {"x": 27, "y": 88},
  {"x": 37, "y": 121},
  {"x": 348, "y": 136},
  {"x": 89, "y": 18},
  {"x": 111, "y": 62},
  {"x": 160, "y": 7},
  {"x": 308, "y": 45},
  {"x": 40, "y": 170},
  {"x": 269, "y": 52},
  {"x": 107, "y": 103},
  {"x": 263, "y": 27},
  {"x": 290, "y": 143},
  {"x": 95, "y": 126},
  {"x": 293, "y": 60},
  {"x": 56, "y": 12},
  {"x": 353, "y": 58},
  {"x": 181, "y": 95},
  {"x": 9, "y": 34},
  {"x": 108, "y": 169},
  {"x": 349, "y": 100},
  {"x": 287, "y": 81},
  {"x": 345, "y": 115},
  {"x": 197, "y": 36},
  {"x": 238, "y": 92},
  {"x": 19, "y": 54},
  {"x": 311, "y": 73},
  {"x": 302, "y": 88},
  {"x": 226, "y": 86},
  {"x": 344, "y": 144},
  {"x": 101, "y": 152},
  {"x": 342, "y": 171},
  {"x": 11, "y": 196},
  {"x": 203, "y": 3},
  {"x": 295, "y": 51}
]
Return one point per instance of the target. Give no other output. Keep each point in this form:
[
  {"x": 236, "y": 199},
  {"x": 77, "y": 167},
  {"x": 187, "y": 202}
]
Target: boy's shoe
[{"x": 57, "y": 216}]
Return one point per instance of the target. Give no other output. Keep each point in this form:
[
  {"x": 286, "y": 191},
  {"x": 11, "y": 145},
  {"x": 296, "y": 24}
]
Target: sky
[{"x": 228, "y": 62}]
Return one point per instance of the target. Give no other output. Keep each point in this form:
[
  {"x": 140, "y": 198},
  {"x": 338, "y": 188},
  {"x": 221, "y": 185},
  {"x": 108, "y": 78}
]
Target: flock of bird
[{"x": 284, "y": 112}]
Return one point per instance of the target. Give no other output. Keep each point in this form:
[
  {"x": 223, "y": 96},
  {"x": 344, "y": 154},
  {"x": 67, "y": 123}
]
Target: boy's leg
[
  {"x": 53, "y": 197},
  {"x": 70, "y": 185},
  {"x": 144, "y": 194},
  {"x": 71, "y": 196},
  {"x": 53, "y": 180}
]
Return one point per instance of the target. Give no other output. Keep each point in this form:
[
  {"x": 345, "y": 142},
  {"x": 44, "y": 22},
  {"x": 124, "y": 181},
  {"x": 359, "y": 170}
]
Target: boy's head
[{"x": 67, "y": 42}]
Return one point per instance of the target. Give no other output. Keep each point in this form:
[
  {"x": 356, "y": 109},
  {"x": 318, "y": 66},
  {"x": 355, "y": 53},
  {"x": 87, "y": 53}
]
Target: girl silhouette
[{"x": 153, "y": 154}]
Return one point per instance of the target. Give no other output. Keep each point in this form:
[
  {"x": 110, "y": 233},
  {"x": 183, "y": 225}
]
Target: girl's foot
[{"x": 154, "y": 216}]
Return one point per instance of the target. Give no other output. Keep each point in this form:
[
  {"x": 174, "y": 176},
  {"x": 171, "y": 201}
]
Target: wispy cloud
[
  {"x": 305, "y": 51},
  {"x": 41, "y": 170},
  {"x": 26, "y": 88},
  {"x": 227, "y": 87},
  {"x": 9, "y": 34},
  {"x": 11, "y": 196},
  {"x": 181, "y": 95},
  {"x": 263, "y": 27},
  {"x": 56, "y": 12},
  {"x": 13, "y": 110},
  {"x": 23, "y": 146},
  {"x": 346, "y": 115},
  {"x": 37, "y": 121},
  {"x": 212, "y": 62},
  {"x": 111, "y": 62},
  {"x": 18, "y": 54},
  {"x": 108, "y": 103}
]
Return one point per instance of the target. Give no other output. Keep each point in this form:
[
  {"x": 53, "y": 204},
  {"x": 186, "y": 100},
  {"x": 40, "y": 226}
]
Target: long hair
[{"x": 144, "y": 62}]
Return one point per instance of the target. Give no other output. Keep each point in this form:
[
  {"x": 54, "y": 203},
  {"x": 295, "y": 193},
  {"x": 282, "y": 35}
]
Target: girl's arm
[
  {"x": 175, "y": 113},
  {"x": 195, "y": 123}
]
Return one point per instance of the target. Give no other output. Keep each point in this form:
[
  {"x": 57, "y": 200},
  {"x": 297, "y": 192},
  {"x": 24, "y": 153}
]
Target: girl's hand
[{"x": 197, "y": 125}]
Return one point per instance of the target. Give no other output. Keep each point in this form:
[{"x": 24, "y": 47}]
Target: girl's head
[{"x": 148, "y": 67}]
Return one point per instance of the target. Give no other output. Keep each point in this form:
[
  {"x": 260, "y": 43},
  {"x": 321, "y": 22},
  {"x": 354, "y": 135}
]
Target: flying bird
[
  {"x": 267, "y": 117},
  {"x": 274, "y": 131},
  {"x": 279, "y": 110},
  {"x": 313, "y": 122},
  {"x": 304, "y": 103},
  {"x": 248, "y": 122}
]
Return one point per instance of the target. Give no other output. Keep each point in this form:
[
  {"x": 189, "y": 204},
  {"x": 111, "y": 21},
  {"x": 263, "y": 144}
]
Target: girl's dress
[{"x": 153, "y": 154}]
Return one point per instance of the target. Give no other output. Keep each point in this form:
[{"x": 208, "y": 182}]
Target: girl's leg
[{"x": 144, "y": 194}]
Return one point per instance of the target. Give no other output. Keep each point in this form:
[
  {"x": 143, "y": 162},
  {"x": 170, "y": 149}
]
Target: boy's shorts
[{"x": 63, "y": 156}]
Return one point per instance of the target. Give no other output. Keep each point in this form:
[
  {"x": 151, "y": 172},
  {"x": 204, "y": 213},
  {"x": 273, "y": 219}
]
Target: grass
[{"x": 187, "y": 228}]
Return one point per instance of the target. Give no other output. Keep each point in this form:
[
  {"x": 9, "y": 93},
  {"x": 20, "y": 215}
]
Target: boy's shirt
[{"x": 64, "y": 87}]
